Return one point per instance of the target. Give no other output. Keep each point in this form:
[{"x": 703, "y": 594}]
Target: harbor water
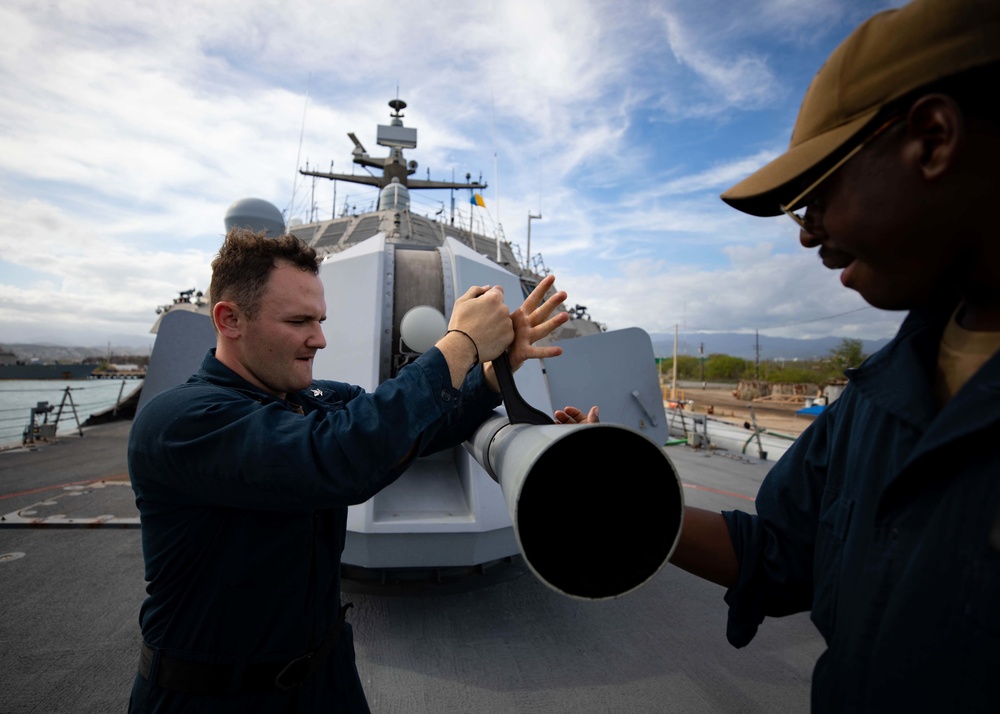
[{"x": 90, "y": 396}]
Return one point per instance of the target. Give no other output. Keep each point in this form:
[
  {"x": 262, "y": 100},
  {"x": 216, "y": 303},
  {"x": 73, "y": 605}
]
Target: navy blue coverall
[
  {"x": 883, "y": 520},
  {"x": 243, "y": 503}
]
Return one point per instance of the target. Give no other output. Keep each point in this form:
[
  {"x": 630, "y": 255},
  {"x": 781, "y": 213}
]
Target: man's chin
[
  {"x": 303, "y": 373},
  {"x": 883, "y": 300},
  {"x": 303, "y": 382},
  {"x": 299, "y": 385}
]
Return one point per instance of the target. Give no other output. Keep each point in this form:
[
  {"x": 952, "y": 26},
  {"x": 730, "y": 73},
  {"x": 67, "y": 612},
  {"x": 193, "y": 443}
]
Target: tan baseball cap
[{"x": 888, "y": 56}]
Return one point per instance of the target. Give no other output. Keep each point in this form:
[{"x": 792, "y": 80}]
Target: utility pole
[
  {"x": 673, "y": 388},
  {"x": 756, "y": 337},
  {"x": 701, "y": 351}
]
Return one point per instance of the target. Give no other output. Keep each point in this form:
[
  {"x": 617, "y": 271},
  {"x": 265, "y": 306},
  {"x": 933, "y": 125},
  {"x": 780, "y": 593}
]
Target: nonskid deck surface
[
  {"x": 70, "y": 482},
  {"x": 69, "y": 636},
  {"x": 95, "y": 504},
  {"x": 82, "y": 482}
]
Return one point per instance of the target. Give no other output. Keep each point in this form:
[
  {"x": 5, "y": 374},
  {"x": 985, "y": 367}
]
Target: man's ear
[
  {"x": 228, "y": 319},
  {"x": 937, "y": 132}
]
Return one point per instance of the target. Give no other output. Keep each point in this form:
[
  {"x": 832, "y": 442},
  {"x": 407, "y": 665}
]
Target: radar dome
[
  {"x": 395, "y": 195},
  {"x": 257, "y": 215}
]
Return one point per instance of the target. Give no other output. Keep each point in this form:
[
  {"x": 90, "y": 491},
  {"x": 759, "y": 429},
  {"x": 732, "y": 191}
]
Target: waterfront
[{"x": 90, "y": 396}]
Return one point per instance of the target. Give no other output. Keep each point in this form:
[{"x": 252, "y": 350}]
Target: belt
[{"x": 182, "y": 675}]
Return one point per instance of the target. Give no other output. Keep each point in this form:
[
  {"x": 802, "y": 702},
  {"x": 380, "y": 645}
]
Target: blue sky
[{"x": 126, "y": 131}]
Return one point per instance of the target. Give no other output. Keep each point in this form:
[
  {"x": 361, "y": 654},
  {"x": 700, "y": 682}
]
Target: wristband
[{"x": 470, "y": 340}]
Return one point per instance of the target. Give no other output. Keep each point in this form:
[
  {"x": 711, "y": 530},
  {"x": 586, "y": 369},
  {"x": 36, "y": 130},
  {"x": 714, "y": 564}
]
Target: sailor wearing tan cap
[{"x": 883, "y": 520}]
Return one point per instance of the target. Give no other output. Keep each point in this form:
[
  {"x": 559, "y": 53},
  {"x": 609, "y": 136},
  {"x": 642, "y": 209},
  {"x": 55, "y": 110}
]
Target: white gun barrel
[{"x": 588, "y": 531}]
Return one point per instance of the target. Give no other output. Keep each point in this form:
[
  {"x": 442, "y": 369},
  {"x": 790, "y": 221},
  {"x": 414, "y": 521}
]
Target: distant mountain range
[
  {"x": 63, "y": 353},
  {"x": 735, "y": 344},
  {"x": 745, "y": 345}
]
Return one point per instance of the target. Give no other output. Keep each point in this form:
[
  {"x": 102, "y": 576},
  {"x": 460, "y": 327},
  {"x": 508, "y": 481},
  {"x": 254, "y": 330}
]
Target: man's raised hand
[{"x": 532, "y": 321}]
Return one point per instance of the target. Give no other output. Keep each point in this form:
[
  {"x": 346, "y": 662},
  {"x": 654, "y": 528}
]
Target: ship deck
[{"x": 71, "y": 585}]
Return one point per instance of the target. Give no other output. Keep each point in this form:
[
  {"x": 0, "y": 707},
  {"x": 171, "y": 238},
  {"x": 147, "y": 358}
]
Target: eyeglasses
[{"x": 801, "y": 219}]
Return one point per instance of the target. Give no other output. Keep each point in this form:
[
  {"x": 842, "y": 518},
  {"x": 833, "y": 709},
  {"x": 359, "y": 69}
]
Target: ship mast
[{"x": 395, "y": 137}]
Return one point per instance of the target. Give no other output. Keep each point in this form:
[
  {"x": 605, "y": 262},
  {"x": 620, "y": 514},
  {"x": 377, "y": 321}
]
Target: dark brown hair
[{"x": 241, "y": 269}]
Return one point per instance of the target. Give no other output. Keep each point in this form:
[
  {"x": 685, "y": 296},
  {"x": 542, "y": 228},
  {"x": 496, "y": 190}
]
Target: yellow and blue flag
[{"x": 477, "y": 200}]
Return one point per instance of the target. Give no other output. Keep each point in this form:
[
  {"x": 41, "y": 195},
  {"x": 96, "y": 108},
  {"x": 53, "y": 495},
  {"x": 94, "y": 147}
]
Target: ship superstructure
[{"x": 390, "y": 278}]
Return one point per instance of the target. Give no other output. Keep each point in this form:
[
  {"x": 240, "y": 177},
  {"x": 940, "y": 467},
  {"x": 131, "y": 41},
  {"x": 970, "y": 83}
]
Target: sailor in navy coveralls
[{"x": 243, "y": 476}]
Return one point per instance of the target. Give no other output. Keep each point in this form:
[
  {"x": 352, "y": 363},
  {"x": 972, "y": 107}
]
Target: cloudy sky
[{"x": 127, "y": 130}]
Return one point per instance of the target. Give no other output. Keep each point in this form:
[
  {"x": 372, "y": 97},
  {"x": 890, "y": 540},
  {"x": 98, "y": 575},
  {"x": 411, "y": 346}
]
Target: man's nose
[
  {"x": 812, "y": 235},
  {"x": 317, "y": 339},
  {"x": 808, "y": 239}
]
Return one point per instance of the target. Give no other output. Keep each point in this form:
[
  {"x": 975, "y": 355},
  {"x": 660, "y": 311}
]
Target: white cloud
[
  {"x": 88, "y": 282},
  {"x": 761, "y": 290},
  {"x": 126, "y": 131},
  {"x": 717, "y": 177}
]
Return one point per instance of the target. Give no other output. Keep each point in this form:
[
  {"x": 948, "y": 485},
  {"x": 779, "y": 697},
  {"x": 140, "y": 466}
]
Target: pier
[{"x": 114, "y": 374}]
